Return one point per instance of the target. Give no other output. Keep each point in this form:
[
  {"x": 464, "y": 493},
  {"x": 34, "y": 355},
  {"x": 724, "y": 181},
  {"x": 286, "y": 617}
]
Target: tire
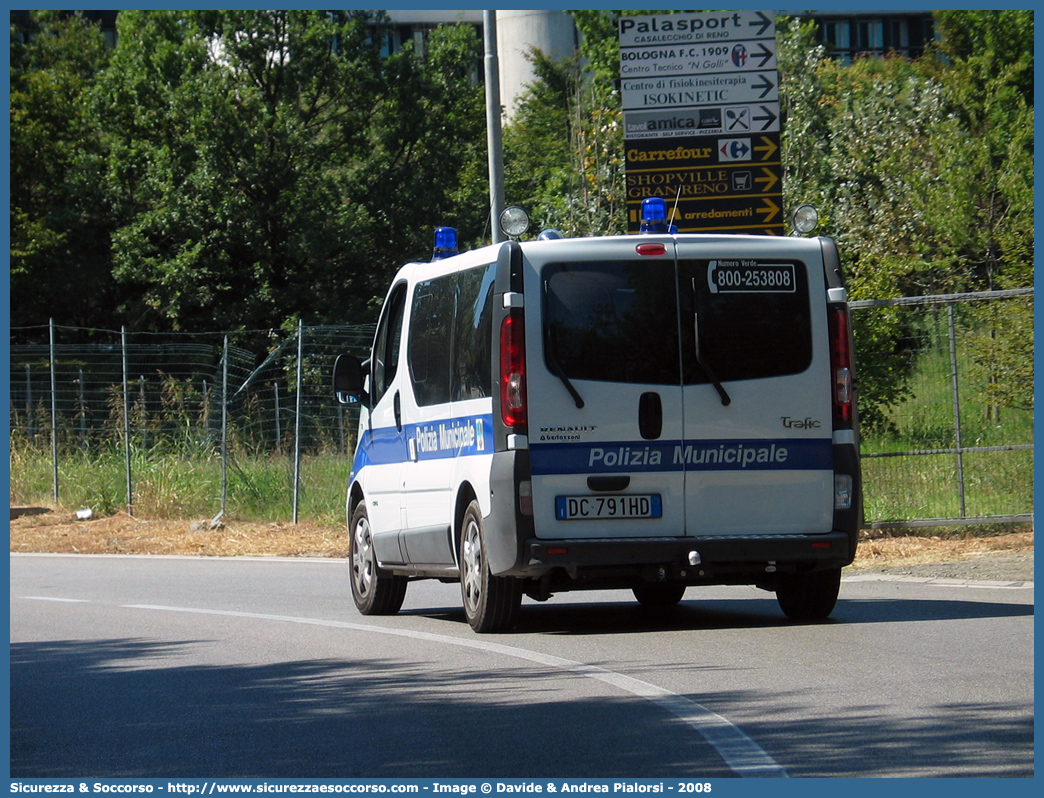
[
  {"x": 658, "y": 596},
  {"x": 376, "y": 592},
  {"x": 811, "y": 596},
  {"x": 491, "y": 603}
]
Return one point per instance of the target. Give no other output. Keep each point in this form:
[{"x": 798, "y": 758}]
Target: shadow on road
[
  {"x": 108, "y": 708},
  {"x": 112, "y": 708},
  {"x": 562, "y": 616}
]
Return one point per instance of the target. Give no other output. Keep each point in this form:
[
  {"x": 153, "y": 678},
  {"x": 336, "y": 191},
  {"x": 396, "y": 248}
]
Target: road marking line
[
  {"x": 742, "y": 755},
  {"x": 52, "y": 598},
  {"x": 939, "y": 581}
]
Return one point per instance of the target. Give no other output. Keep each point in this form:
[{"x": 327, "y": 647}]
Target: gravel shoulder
[
  {"x": 965, "y": 554},
  {"x": 994, "y": 566},
  {"x": 996, "y": 554}
]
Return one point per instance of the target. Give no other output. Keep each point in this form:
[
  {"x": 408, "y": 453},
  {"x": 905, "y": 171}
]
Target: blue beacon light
[
  {"x": 445, "y": 243},
  {"x": 654, "y": 216}
]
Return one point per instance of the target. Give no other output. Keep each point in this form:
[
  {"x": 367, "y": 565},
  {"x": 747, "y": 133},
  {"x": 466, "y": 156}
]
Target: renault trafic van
[{"x": 644, "y": 412}]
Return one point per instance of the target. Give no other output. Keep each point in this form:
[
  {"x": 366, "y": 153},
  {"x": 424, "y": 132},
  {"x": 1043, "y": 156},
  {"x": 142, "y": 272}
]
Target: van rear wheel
[
  {"x": 658, "y": 596},
  {"x": 491, "y": 603},
  {"x": 811, "y": 596},
  {"x": 375, "y": 591}
]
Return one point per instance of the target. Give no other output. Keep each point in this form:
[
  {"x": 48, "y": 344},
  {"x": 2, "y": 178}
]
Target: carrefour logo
[{"x": 734, "y": 150}]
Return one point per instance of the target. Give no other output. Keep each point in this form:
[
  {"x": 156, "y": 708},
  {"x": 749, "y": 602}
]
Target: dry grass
[
  {"x": 60, "y": 531},
  {"x": 877, "y": 552}
]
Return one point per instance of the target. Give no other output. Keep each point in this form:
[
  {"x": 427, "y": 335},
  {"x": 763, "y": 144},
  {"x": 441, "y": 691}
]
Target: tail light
[
  {"x": 513, "y": 370},
  {"x": 841, "y": 365}
]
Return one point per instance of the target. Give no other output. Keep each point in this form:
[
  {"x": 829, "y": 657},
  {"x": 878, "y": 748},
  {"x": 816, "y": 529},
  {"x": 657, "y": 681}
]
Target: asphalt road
[{"x": 167, "y": 667}]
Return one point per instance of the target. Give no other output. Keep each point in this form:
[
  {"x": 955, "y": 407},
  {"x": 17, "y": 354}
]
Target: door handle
[
  {"x": 650, "y": 415},
  {"x": 397, "y": 405}
]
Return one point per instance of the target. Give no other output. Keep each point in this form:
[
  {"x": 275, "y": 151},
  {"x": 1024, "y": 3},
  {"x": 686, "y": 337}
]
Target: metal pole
[
  {"x": 494, "y": 141},
  {"x": 126, "y": 421},
  {"x": 54, "y": 417},
  {"x": 83, "y": 411},
  {"x": 29, "y": 405},
  {"x": 206, "y": 413},
  {"x": 956, "y": 407},
  {"x": 297, "y": 421},
  {"x": 278, "y": 430},
  {"x": 224, "y": 427},
  {"x": 142, "y": 400}
]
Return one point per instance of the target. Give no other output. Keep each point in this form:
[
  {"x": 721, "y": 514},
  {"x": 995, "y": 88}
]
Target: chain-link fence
[
  {"x": 946, "y": 404},
  {"x": 174, "y": 425},
  {"x": 193, "y": 425}
]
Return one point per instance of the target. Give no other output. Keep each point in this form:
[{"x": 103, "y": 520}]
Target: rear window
[
  {"x": 636, "y": 321},
  {"x": 753, "y": 321},
  {"x": 613, "y": 321}
]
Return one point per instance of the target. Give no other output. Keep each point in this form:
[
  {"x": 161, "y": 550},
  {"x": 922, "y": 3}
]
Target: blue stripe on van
[
  {"x": 453, "y": 437},
  {"x": 473, "y": 435},
  {"x": 434, "y": 440},
  {"x": 380, "y": 446},
  {"x": 784, "y": 454}
]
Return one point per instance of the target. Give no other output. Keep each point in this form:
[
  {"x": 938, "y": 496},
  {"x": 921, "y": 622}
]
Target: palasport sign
[{"x": 701, "y": 119}]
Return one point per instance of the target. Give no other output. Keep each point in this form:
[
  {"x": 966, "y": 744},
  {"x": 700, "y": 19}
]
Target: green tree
[
  {"x": 923, "y": 172},
  {"x": 856, "y": 145},
  {"x": 60, "y": 264},
  {"x": 564, "y": 148},
  {"x": 268, "y": 163},
  {"x": 988, "y": 210},
  {"x": 986, "y": 150},
  {"x": 804, "y": 115}
]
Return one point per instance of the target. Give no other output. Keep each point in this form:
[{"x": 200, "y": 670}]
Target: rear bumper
[
  {"x": 740, "y": 559},
  {"x": 570, "y": 564}
]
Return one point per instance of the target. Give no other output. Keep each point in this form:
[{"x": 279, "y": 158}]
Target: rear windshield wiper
[
  {"x": 557, "y": 370},
  {"x": 726, "y": 400}
]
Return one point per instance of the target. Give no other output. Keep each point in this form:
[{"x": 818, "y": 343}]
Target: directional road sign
[
  {"x": 696, "y": 27},
  {"x": 700, "y": 95},
  {"x": 652, "y": 62},
  {"x": 705, "y": 121},
  {"x": 687, "y": 91},
  {"x": 725, "y": 184}
]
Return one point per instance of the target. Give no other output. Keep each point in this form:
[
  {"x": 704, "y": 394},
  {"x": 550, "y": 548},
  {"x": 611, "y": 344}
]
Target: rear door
[
  {"x": 756, "y": 404},
  {"x": 604, "y": 388}
]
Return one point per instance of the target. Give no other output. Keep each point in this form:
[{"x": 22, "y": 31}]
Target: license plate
[{"x": 598, "y": 508}]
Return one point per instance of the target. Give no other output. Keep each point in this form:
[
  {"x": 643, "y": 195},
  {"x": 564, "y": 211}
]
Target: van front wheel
[
  {"x": 811, "y": 596},
  {"x": 376, "y": 592},
  {"x": 491, "y": 603}
]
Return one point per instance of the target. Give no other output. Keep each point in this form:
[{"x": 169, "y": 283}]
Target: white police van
[{"x": 650, "y": 412}]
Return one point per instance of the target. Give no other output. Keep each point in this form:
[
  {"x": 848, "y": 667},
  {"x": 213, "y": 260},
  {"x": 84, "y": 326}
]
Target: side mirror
[{"x": 349, "y": 377}]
